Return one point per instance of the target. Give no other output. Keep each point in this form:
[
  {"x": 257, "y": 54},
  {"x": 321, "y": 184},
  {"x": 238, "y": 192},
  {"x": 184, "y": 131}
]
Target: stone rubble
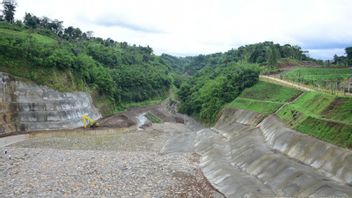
[{"x": 124, "y": 164}]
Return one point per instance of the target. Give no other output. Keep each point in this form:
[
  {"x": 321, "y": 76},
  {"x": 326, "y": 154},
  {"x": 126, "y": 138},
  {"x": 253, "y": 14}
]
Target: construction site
[{"x": 48, "y": 150}]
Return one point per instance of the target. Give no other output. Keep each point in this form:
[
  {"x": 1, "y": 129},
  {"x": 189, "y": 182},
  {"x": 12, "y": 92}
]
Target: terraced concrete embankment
[
  {"x": 28, "y": 107},
  {"x": 247, "y": 154}
]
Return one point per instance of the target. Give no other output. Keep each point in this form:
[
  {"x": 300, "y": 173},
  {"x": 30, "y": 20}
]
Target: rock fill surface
[{"x": 25, "y": 106}]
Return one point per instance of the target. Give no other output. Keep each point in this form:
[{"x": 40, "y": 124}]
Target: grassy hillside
[
  {"x": 309, "y": 104},
  {"x": 265, "y": 107},
  {"x": 7, "y": 32},
  {"x": 51, "y": 77},
  {"x": 117, "y": 74},
  {"x": 340, "y": 109},
  {"x": 264, "y": 97},
  {"x": 327, "y": 78},
  {"x": 324, "y": 116}
]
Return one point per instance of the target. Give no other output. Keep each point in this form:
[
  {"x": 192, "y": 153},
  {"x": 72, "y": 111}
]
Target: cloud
[
  {"x": 207, "y": 26},
  {"x": 326, "y": 54},
  {"x": 126, "y": 24},
  {"x": 325, "y": 44}
]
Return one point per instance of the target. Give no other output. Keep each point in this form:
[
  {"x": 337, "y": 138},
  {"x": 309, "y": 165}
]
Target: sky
[{"x": 192, "y": 27}]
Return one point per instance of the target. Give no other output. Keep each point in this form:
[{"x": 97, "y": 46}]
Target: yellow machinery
[{"x": 89, "y": 122}]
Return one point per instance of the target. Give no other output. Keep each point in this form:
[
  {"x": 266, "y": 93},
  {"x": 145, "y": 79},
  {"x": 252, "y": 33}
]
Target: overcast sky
[{"x": 191, "y": 27}]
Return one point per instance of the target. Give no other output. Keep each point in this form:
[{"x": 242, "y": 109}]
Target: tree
[
  {"x": 90, "y": 34},
  {"x": 72, "y": 33},
  {"x": 340, "y": 60},
  {"x": 31, "y": 20},
  {"x": 349, "y": 55},
  {"x": 56, "y": 26},
  {"x": 9, "y": 10},
  {"x": 273, "y": 56}
]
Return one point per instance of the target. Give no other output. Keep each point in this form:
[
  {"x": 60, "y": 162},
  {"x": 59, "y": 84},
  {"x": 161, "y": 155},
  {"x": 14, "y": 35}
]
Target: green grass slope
[
  {"x": 309, "y": 104},
  {"x": 326, "y": 117},
  {"x": 340, "y": 109},
  {"x": 25, "y": 34},
  {"x": 264, "y": 97},
  {"x": 318, "y": 76}
]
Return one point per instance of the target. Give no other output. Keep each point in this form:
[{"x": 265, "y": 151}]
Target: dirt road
[{"x": 284, "y": 82}]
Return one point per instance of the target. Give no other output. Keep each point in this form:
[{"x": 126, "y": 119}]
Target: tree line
[
  {"x": 266, "y": 54},
  {"x": 345, "y": 60}
]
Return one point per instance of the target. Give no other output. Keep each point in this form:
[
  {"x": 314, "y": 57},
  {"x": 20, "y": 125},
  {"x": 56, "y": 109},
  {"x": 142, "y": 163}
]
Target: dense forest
[
  {"x": 205, "y": 94},
  {"x": 266, "y": 54}
]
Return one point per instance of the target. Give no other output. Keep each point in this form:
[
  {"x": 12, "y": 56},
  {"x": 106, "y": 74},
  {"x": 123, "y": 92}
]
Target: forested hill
[
  {"x": 69, "y": 59},
  {"x": 266, "y": 54},
  {"x": 117, "y": 73}
]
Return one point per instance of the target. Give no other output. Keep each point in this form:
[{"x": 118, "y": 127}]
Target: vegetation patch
[
  {"x": 309, "y": 104},
  {"x": 313, "y": 102},
  {"x": 264, "y": 97},
  {"x": 153, "y": 118},
  {"x": 329, "y": 131},
  {"x": 61, "y": 80},
  {"x": 323, "y": 77},
  {"x": 205, "y": 95},
  {"x": 25, "y": 35},
  {"x": 265, "y": 91},
  {"x": 291, "y": 116},
  {"x": 324, "y": 116},
  {"x": 266, "y": 54},
  {"x": 255, "y": 105},
  {"x": 340, "y": 109},
  {"x": 69, "y": 60}
]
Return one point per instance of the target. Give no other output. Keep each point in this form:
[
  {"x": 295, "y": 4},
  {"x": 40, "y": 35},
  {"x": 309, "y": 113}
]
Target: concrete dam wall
[
  {"x": 25, "y": 106},
  {"x": 249, "y": 155}
]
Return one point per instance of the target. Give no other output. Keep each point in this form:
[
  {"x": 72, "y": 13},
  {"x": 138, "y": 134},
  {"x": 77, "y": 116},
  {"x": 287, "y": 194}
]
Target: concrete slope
[
  {"x": 28, "y": 107},
  {"x": 241, "y": 159},
  {"x": 331, "y": 160}
]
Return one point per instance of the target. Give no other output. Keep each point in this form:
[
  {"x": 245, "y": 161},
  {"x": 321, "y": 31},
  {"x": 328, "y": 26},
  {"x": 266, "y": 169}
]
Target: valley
[{"x": 89, "y": 116}]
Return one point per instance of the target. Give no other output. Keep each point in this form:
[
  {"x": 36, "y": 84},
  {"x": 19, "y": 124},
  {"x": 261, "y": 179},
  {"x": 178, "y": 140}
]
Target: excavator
[{"x": 87, "y": 121}]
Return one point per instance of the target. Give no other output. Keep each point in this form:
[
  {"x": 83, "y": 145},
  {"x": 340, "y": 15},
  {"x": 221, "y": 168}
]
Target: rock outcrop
[
  {"x": 249, "y": 155},
  {"x": 25, "y": 106}
]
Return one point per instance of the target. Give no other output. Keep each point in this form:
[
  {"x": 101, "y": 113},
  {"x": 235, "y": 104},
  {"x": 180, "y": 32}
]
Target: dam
[{"x": 246, "y": 154}]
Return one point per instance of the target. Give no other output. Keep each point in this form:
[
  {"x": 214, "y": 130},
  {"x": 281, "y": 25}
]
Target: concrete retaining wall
[
  {"x": 333, "y": 161},
  {"x": 241, "y": 158}
]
